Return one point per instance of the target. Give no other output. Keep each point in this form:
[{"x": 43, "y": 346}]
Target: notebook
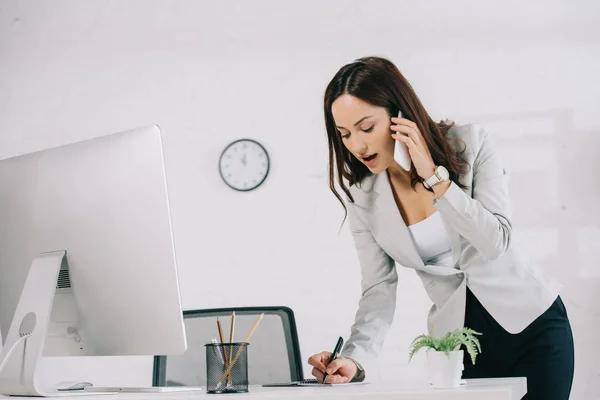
[
  {"x": 309, "y": 382},
  {"x": 303, "y": 382}
]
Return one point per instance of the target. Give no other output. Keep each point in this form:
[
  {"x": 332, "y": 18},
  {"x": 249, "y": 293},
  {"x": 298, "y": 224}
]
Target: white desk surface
[{"x": 474, "y": 389}]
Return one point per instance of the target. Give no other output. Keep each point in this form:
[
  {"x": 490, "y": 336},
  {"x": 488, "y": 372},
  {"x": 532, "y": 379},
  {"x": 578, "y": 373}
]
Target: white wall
[{"x": 210, "y": 72}]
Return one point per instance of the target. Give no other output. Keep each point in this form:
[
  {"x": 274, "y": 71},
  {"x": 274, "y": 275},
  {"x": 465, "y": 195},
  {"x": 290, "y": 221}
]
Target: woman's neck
[{"x": 399, "y": 175}]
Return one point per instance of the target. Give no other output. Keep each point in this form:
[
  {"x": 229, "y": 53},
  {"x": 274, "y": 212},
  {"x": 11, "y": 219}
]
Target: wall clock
[{"x": 244, "y": 164}]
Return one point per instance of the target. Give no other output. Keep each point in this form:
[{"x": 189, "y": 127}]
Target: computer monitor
[{"x": 87, "y": 257}]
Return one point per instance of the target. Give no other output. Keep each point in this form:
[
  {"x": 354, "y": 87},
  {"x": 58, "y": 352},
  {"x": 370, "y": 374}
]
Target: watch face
[
  {"x": 244, "y": 164},
  {"x": 443, "y": 172}
]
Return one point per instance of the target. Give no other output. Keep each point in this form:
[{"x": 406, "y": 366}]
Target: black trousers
[{"x": 543, "y": 352}]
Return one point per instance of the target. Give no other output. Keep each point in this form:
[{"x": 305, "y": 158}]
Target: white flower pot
[{"x": 445, "y": 372}]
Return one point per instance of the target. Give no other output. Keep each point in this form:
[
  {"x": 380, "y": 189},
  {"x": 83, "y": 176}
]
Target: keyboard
[{"x": 147, "y": 389}]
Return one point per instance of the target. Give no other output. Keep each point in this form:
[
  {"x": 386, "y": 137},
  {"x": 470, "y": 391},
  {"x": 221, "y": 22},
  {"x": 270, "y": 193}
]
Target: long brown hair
[{"x": 378, "y": 81}]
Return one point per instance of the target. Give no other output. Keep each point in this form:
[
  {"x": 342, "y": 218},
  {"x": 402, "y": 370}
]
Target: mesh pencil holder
[{"x": 227, "y": 367}]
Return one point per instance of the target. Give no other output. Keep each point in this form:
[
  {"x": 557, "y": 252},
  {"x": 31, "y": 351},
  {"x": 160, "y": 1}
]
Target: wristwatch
[
  {"x": 360, "y": 372},
  {"x": 440, "y": 174}
]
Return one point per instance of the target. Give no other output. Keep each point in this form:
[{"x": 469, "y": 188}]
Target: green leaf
[
  {"x": 419, "y": 342},
  {"x": 449, "y": 342}
]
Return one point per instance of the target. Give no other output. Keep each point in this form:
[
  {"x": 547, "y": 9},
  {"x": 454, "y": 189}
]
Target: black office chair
[{"x": 273, "y": 353}]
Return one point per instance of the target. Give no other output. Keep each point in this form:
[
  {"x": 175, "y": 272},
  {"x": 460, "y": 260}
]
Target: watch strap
[{"x": 432, "y": 180}]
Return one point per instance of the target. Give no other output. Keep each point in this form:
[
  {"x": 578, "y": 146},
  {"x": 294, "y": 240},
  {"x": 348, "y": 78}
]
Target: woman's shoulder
[
  {"x": 361, "y": 191},
  {"x": 469, "y": 138}
]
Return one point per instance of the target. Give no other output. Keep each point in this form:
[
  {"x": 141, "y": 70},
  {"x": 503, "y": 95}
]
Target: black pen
[{"x": 336, "y": 351}]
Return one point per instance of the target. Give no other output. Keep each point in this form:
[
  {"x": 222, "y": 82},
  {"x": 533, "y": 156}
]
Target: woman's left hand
[{"x": 407, "y": 132}]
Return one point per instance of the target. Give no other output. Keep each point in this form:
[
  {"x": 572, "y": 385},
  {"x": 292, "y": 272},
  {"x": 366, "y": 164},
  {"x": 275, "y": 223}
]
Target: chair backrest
[{"x": 273, "y": 352}]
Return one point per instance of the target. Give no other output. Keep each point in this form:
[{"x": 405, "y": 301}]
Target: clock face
[{"x": 244, "y": 164}]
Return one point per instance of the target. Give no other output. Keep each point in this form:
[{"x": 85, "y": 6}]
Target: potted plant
[{"x": 445, "y": 362}]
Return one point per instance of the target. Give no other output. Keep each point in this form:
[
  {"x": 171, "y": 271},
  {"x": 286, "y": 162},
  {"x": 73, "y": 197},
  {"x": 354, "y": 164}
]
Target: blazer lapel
[{"x": 401, "y": 244}]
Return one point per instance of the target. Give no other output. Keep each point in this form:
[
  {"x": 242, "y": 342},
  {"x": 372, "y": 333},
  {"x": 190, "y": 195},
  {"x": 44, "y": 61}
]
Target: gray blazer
[{"x": 512, "y": 289}]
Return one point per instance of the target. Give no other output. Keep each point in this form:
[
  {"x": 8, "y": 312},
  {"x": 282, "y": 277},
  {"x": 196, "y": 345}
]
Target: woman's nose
[{"x": 359, "y": 147}]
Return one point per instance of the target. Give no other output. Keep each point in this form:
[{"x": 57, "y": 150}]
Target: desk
[{"x": 475, "y": 389}]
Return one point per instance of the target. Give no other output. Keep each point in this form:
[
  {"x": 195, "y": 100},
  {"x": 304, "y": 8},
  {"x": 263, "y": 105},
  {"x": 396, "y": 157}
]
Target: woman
[{"x": 447, "y": 218}]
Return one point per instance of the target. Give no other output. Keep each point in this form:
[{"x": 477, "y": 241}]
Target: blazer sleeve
[
  {"x": 377, "y": 304},
  {"x": 484, "y": 219}
]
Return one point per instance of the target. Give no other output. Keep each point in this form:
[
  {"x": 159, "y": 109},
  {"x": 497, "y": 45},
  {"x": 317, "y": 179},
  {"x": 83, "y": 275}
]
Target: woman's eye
[
  {"x": 369, "y": 129},
  {"x": 346, "y": 136}
]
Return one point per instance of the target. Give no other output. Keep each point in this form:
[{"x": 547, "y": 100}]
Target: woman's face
[{"x": 365, "y": 131}]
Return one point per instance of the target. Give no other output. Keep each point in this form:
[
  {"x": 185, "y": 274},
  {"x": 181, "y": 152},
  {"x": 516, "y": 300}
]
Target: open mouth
[{"x": 369, "y": 160}]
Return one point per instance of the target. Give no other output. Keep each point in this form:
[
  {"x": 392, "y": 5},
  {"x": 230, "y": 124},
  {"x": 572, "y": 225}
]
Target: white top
[{"x": 432, "y": 240}]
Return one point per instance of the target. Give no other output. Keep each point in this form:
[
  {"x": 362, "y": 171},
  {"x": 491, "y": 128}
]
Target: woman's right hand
[{"x": 341, "y": 370}]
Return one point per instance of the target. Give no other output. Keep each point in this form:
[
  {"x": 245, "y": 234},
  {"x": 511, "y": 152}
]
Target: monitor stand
[{"x": 26, "y": 337}]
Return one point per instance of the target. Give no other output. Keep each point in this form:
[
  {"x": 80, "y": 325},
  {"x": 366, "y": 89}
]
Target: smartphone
[{"x": 401, "y": 155}]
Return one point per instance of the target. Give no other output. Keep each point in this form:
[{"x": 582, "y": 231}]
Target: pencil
[
  {"x": 246, "y": 340},
  {"x": 231, "y": 331},
  {"x": 221, "y": 339}
]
